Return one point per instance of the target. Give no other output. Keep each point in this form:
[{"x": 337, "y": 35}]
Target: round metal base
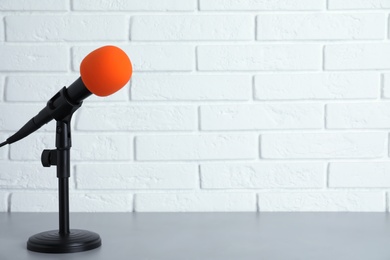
[{"x": 52, "y": 242}]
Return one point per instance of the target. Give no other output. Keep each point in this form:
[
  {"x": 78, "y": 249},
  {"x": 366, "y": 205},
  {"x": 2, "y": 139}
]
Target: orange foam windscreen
[{"x": 105, "y": 70}]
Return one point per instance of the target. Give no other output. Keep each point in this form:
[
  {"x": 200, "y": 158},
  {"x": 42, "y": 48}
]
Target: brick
[
  {"x": 85, "y": 147},
  {"x": 192, "y": 202},
  {"x": 138, "y": 118},
  {"x": 14, "y": 116},
  {"x": 359, "y": 175},
  {"x": 262, "y": 175},
  {"x": 386, "y": 85},
  {"x": 78, "y": 202},
  {"x": 357, "y": 56},
  {"x": 134, "y": 5},
  {"x": 46, "y": 28},
  {"x": 2, "y": 83},
  {"x": 192, "y": 27},
  {"x": 317, "y": 86},
  {"x": 137, "y": 176},
  {"x": 373, "y": 201},
  {"x": 4, "y": 149},
  {"x": 283, "y": 5},
  {"x": 27, "y": 176},
  {"x": 261, "y": 116},
  {"x": 358, "y": 115},
  {"x": 358, "y": 4},
  {"x": 42, "y": 5},
  {"x": 3, "y": 201},
  {"x": 191, "y": 87},
  {"x": 2, "y": 33},
  {"x": 149, "y": 57},
  {"x": 196, "y": 147},
  {"x": 33, "y": 58},
  {"x": 321, "y": 26},
  {"x": 259, "y": 57},
  {"x": 42, "y": 88},
  {"x": 324, "y": 145}
]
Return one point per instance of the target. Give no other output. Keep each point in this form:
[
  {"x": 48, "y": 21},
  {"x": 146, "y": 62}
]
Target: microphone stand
[{"x": 64, "y": 240}]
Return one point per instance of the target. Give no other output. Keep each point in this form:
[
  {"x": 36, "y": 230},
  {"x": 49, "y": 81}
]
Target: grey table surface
[{"x": 267, "y": 236}]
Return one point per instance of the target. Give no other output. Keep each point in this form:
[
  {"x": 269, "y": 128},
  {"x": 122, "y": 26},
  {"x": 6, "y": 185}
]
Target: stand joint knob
[{"x": 49, "y": 158}]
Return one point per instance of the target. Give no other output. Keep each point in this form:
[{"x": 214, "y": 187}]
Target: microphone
[{"x": 102, "y": 72}]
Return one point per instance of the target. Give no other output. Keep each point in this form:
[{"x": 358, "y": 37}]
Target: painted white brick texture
[
  {"x": 251, "y": 105},
  {"x": 324, "y": 145},
  {"x": 137, "y": 118},
  {"x": 206, "y": 201},
  {"x": 46, "y": 28},
  {"x": 261, "y": 116},
  {"x": 33, "y": 58},
  {"x": 137, "y": 176},
  {"x": 259, "y": 57},
  {"x": 386, "y": 85},
  {"x": 367, "y": 56},
  {"x": 315, "y": 86},
  {"x": 2, "y": 33},
  {"x": 196, "y": 147},
  {"x": 358, "y": 4},
  {"x": 262, "y": 175},
  {"x": 191, "y": 87},
  {"x": 20, "y": 175},
  {"x": 2, "y": 83},
  {"x": 359, "y": 175},
  {"x": 4, "y": 151},
  {"x": 358, "y": 115},
  {"x": 134, "y": 5},
  {"x": 192, "y": 27},
  {"x": 316, "y": 26},
  {"x": 232, "y": 5},
  {"x": 26, "y": 5}
]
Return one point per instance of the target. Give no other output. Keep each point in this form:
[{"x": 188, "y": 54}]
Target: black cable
[{"x": 3, "y": 143}]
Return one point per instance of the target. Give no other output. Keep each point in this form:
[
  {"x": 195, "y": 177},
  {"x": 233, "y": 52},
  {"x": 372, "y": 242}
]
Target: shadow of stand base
[{"x": 64, "y": 240}]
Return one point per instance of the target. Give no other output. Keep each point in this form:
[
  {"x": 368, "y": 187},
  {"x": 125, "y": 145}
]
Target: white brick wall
[
  {"x": 365, "y": 56},
  {"x": 261, "y": 116},
  {"x": 288, "y": 5},
  {"x": 191, "y": 27},
  {"x": 48, "y": 28},
  {"x": 324, "y": 145},
  {"x": 137, "y": 118},
  {"x": 196, "y": 147},
  {"x": 233, "y": 105},
  {"x": 262, "y": 175},
  {"x": 314, "y": 86},
  {"x": 134, "y": 5},
  {"x": 259, "y": 57},
  {"x": 359, "y": 174},
  {"x": 191, "y": 87},
  {"x": 316, "y": 26},
  {"x": 358, "y": 4}
]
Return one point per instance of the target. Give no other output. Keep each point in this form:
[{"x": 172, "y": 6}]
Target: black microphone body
[{"x": 61, "y": 105}]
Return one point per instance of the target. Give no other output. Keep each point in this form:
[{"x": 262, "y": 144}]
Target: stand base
[{"x": 52, "y": 242}]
